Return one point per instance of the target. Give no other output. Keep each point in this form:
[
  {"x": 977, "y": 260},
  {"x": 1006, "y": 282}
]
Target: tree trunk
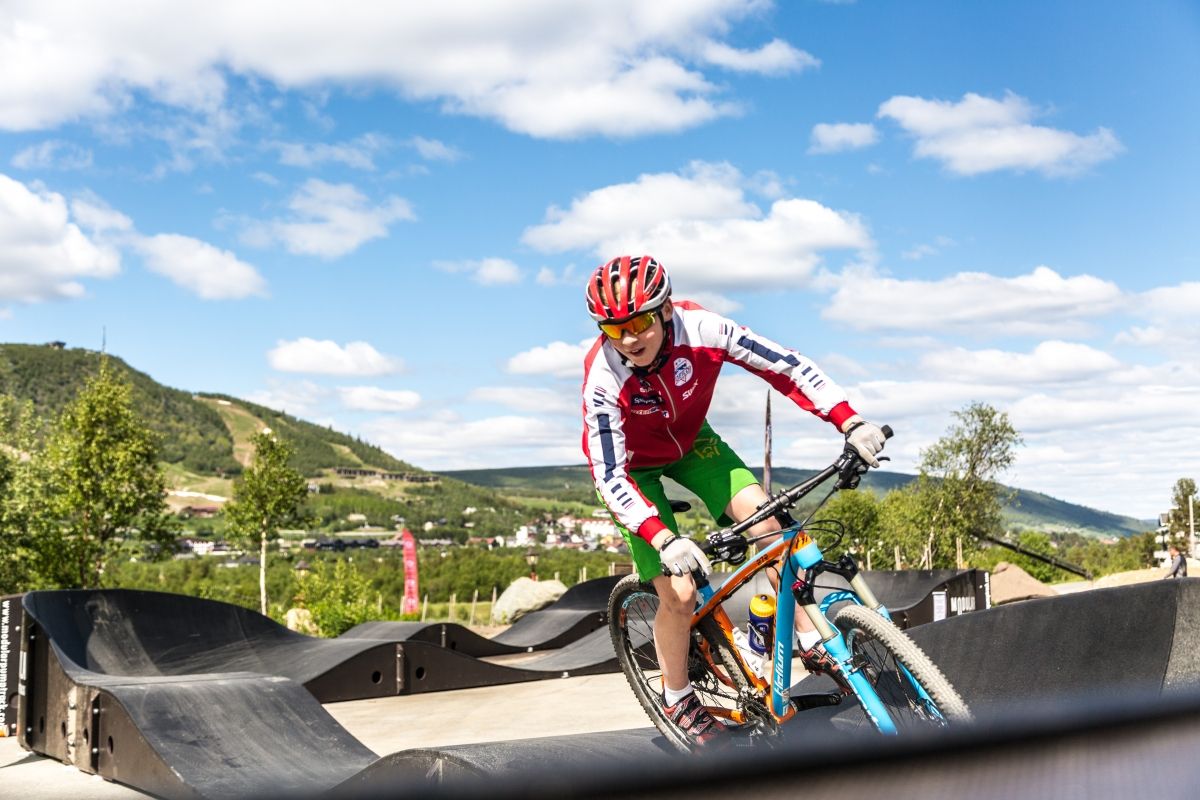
[{"x": 262, "y": 573}]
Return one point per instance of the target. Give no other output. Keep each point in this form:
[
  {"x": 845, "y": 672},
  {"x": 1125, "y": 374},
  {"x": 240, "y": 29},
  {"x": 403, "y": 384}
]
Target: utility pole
[
  {"x": 767, "y": 448},
  {"x": 1191, "y": 526}
]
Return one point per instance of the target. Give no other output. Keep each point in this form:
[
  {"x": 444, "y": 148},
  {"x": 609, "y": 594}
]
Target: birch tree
[{"x": 268, "y": 495}]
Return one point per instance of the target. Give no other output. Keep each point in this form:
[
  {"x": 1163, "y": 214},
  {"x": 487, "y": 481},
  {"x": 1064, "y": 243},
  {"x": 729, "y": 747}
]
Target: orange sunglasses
[{"x": 636, "y": 325}]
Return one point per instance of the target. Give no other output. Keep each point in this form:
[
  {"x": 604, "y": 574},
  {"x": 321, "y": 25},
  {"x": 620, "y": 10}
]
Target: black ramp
[
  {"x": 149, "y": 634},
  {"x": 1092, "y": 646},
  {"x": 433, "y": 669},
  {"x": 450, "y": 635},
  {"x": 478, "y": 765},
  {"x": 136, "y": 633},
  {"x": 1105, "y": 640},
  {"x": 591, "y": 655},
  {"x": 221, "y": 736},
  {"x": 587, "y": 601},
  {"x": 1129, "y": 748},
  {"x": 581, "y": 610}
]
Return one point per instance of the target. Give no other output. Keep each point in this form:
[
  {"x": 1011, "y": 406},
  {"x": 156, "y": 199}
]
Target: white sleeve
[
  {"x": 794, "y": 375},
  {"x": 604, "y": 445}
]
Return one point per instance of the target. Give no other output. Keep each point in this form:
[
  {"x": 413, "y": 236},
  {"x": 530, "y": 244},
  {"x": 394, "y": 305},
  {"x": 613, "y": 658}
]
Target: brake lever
[
  {"x": 852, "y": 469},
  {"x": 727, "y": 546}
]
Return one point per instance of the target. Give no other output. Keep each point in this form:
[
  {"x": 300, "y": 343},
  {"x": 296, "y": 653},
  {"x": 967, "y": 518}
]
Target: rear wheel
[
  {"x": 712, "y": 668},
  {"x": 896, "y": 666}
]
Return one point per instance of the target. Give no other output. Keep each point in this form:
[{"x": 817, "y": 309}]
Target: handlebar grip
[{"x": 887, "y": 431}]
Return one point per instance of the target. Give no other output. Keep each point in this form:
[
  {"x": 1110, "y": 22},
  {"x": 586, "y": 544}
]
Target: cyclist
[{"x": 648, "y": 384}]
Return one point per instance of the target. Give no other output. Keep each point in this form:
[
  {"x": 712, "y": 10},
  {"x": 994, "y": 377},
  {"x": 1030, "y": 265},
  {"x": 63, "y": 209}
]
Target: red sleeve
[
  {"x": 840, "y": 413},
  {"x": 651, "y": 528}
]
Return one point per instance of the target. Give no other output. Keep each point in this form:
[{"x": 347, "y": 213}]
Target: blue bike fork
[{"x": 835, "y": 645}]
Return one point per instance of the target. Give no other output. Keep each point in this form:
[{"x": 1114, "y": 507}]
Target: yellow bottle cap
[{"x": 762, "y": 605}]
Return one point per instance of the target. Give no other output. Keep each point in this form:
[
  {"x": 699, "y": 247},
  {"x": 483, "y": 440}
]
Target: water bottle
[
  {"x": 754, "y": 661},
  {"x": 762, "y": 623}
]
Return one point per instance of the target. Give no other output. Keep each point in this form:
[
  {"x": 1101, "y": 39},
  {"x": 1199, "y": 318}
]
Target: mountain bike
[{"x": 866, "y": 655}]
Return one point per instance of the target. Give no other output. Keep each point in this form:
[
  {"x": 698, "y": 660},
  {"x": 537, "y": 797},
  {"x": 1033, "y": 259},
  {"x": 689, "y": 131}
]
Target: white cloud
[
  {"x": 777, "y": 57},
  {"x": 701, "y": 225},
  {"x": 978, "y": 134},
  {"x": 546, "y": 277},
  {"x": 557, "y": 358},
  {"x": 98, "y": 216},
  {"x": 1050, "y": 362},
  {"x": 1042, "y": 302},
  {"x": 43, "y": 254},
  {"x": 329, "y": 220},
  {"x": 53, "y": 154},
  {"x": 298, "y": 398},
  {"x": 486, "y": 271},
  {"x": 199, "y": 267},
  {"x": 1149, "y": 336},
  {"x": 433, "y": 150},
  {"x": 836, "y": 137},
  {"x": 1180, "y": 302},
  {"x": 358, "y": 153},
  {"x": 446, "y": 441},
  {"x": 371, "y": 398},
  {"x": 713, "y": 301},
  {"x": 530, "y": 398},
  {"x": 325, "y": 357},
  {"x": 926, "y": 250},
  {"x": 612, "y": 67}
]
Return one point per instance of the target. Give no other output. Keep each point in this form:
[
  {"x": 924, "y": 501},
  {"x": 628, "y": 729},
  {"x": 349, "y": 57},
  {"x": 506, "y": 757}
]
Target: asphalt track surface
[{"x": 1123, "y": 662}]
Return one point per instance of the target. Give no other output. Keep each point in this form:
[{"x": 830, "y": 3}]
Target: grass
[
  {"x": 181, "y": 479},
  {"x": 242, "y": 426}
]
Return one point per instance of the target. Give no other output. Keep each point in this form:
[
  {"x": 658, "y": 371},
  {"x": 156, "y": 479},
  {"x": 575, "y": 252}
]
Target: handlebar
[{"x": 729, "y": 544}]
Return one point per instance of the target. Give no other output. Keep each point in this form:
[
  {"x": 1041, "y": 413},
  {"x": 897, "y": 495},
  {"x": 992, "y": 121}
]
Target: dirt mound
[
  {"x": 1011, "y": 583},
  {"x": 1143, "y": 575}
]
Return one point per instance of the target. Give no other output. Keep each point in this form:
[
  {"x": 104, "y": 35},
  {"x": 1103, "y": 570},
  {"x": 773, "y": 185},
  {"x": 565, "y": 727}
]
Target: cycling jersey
[{"x": 633, "y": 420}]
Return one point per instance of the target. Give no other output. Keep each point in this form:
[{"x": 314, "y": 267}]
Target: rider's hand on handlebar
[
  {"x": 681, "y": 556},
  {"x": 866, "y": 439}
]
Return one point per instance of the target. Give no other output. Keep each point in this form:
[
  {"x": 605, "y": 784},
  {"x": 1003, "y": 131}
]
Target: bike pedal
[{"x": 806, "y": 701}]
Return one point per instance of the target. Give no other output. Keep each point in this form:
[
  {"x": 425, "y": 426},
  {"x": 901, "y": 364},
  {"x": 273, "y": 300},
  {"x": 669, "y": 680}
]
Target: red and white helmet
[{"x": 625, "y": 287}]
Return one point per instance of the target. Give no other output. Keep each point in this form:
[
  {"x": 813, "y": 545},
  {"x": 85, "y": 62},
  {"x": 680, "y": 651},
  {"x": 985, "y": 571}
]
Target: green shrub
[{"x": 338, "y": 596}]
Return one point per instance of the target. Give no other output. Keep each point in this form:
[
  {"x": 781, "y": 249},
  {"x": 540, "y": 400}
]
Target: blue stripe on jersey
[
  {"x": 761, "y": 350},
  {"x": 606, "y": 446}
]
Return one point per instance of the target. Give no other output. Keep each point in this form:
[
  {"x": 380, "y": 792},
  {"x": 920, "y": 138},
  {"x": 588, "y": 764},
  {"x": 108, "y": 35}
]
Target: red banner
[{"x": 410, "y": 573}]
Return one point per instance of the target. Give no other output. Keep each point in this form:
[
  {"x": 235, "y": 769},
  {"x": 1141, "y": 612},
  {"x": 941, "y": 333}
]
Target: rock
[
  {"x": 301, "y": 621},
  {"x": 524, "y": 595}
]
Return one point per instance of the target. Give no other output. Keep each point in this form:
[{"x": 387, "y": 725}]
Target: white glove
[
  {"x": 866, "y": 438},
  {"x": 681, "y": 556}
]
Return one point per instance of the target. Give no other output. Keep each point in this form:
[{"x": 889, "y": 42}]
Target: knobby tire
[
  {"x": 716, "y": 679},
  {"x": 879, "y": 647}
]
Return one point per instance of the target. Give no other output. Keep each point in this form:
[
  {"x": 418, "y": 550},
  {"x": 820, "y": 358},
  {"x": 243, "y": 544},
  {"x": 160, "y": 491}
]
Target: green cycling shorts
[{"x": 710, "y": 470}]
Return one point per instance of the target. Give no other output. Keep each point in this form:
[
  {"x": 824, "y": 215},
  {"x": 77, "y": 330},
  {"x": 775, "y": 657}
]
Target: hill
[
  {"x": 1027, "y": 511},
  {"x": 204, "y": 434},
  {"x": 205, "y": 441},
  {"x": 192, "y": 434}
]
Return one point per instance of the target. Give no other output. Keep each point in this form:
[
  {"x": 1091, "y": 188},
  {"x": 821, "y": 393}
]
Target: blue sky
[{"x": 379, "y": 216}]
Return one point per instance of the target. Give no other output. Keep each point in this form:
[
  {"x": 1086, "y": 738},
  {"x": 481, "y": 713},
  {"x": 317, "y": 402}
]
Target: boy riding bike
[{"x": 648, "y": 384}]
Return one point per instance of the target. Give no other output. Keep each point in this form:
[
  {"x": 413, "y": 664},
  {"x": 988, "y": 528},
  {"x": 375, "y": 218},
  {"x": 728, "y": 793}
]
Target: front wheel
[
  {"x": 913, "y": 690},
  {"x": 718, "y": 683}
]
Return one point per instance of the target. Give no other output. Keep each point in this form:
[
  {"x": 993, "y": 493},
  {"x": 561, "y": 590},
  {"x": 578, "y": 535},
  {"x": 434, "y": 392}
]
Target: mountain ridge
[
  {"x": 1028, "y": 511},
  {"x": 207, "y": 433}
]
